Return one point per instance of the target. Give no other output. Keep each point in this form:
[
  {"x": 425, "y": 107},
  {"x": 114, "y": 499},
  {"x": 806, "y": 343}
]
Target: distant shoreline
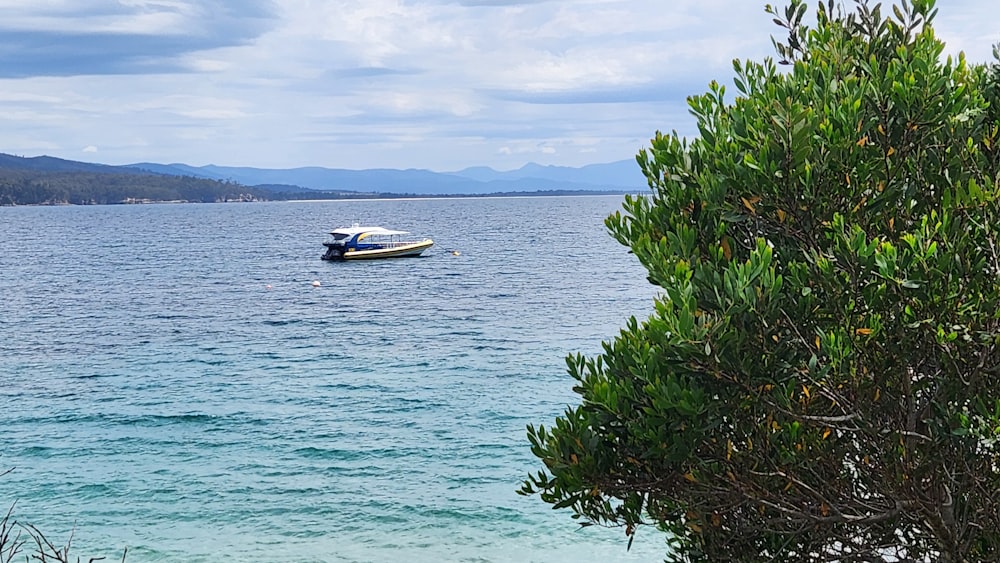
[
  {"x": 52, "y": 181},
  {"x": 456, "y": 196},
  {"x": 344, "y": 197}
]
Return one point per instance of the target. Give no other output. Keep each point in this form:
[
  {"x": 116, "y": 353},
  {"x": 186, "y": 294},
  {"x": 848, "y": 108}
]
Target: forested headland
[
  {"x": 38, "y": 187},
  {"x": 46, "y": 180},
  {"x": 33, "y": 187}
]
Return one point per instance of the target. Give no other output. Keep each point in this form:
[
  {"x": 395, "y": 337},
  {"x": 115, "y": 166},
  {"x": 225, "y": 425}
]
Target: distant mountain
[
  {"x": 52, "y": 164},
  {"x": 170, "y": 170},
  {"x": 52, "y": 181},
  {"x": 616, "y": 176},
  {"x": 36, "y": 179},
  {"x": 620, "y": 174}
]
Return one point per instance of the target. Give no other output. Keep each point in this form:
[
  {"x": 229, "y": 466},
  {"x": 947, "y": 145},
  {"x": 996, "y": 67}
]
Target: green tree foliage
[
  {"x": 820, "y": 378},
  {"x": 42, "y": 187}
]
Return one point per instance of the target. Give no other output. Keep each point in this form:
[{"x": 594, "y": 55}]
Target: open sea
[{"x": 172, "y": 382}]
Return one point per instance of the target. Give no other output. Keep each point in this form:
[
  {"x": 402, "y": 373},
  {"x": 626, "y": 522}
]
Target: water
[{"x": 171, "y": 381}]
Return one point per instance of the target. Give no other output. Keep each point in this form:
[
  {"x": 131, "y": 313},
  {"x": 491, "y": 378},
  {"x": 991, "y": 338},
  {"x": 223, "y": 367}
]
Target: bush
[{"x": 820, "y": 378}]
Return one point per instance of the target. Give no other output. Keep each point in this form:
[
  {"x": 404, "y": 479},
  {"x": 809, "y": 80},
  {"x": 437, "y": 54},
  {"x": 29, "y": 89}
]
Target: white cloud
[
  {"x": 124, "y": 16},
  {"x": 90, "y": 148},
  {"x": 212, "y": 113},
  {"x": 439, "y": 84}
]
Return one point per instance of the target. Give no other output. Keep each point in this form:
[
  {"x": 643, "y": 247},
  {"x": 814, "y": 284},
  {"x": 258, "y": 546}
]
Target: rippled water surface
[{"x": 171, "y": 381}]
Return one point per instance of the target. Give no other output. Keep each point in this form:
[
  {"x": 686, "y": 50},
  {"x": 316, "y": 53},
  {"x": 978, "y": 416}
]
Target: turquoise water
[{"x": 172, "y": 381}]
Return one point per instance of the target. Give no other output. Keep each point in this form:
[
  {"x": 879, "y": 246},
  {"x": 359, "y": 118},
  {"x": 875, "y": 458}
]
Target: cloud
[
  {"x": 494, "y": 3},
  {"x": 971, "y": 27},
  {"x": 367, "y": 72},
  {"x": 62, "y": 38},
  {"x": 90, "y": 148},
  {"x": 440, "y": 84}
]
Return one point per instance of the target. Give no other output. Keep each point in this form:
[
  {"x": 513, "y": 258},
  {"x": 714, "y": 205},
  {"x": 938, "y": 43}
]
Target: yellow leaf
[
  {"x": 847, "y": 178},
  {"x": 775, "y": 426},
  {"x": 726, "y": 250},
  {"x": 878, "y": 393},
  {"x": 729, "y": 449},
  {"x": 774, "y": 337},
  {"x": 748, "y": 205},
  {"x": 781, "y": 216},
  {"x": 881, "y": 186},
  {"x": 805, "y": 391},
  {"x": 890, "y": 152},
  {"x": 892, "y": 222},
  {"x": 817, "y": 343},
  {"x": 860, "y": 203},
  {"x": 826, "y": 433},
  {"x": 863, "y": 331},
  {"x": 862, "y": 141},
  {"x": 881, "y": 129},
  {"x": 690, "y": 477}
]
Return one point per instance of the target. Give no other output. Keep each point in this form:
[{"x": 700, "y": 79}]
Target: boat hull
[{"x": 403, "y": 250}]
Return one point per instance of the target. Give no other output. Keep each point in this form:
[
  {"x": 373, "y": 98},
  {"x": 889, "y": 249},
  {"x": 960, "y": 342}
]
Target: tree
[
  {"x": 16, "y": 536},
  {"x": 820, "y": 377}
]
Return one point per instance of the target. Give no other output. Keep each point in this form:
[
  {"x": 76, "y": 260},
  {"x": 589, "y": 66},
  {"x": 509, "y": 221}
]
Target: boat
[{"x": 367, "y": 243}]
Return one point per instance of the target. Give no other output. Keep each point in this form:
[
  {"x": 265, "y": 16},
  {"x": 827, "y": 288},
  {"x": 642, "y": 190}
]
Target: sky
[{"x": 432, "y": 84}]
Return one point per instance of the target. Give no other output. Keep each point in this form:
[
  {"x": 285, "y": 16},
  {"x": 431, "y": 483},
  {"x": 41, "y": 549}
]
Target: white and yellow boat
[{"x": 367, "y": 243}]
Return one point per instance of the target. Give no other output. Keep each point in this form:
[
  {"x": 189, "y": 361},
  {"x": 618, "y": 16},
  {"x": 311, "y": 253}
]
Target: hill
[
  {"x": 53, "y": 181},
  {"x": 50, "y": 180},
  {"x": 619, "y": 176}
]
